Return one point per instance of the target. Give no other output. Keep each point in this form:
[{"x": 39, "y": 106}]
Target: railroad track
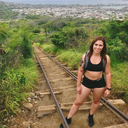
[{"x": 58, "y": 92}]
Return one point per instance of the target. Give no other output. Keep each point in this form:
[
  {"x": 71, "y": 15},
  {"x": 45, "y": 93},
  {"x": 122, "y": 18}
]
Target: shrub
[
  {"x": 26, "y": 47},
  {"x": 14, "y": 87}
]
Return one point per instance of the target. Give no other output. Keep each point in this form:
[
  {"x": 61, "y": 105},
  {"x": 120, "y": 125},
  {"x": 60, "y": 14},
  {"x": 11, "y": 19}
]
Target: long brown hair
[{"x": 104, "y": 50}]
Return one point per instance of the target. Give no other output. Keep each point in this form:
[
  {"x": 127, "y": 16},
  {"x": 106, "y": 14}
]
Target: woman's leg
[
  {"x": 80, "y": 98},
  {"x": 97, "y": 93}
]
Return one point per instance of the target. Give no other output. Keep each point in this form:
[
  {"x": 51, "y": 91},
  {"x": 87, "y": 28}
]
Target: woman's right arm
[{"x": 80, "y": 73}]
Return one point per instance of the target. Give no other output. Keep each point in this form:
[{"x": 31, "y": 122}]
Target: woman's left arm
[{"x": 108, "y": 76}]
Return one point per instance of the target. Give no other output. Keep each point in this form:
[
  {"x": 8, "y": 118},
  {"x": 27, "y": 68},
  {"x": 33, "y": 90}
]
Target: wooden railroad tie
[
  {"x": 48, "y": 93},
  {"x": 55, "y": 80},
  {"x": 74, "y": 71},
  {"x": 43, "y": 58},
  {"x": 65, "y": 87},
  {"x": 42, "y": 81},
  {"x": 38, "y": 52},
  {"x": 57, "y": 74},
  {"x": 46, "y": 108},
  {"x": 124, "y": 125},
  {"x": 85, "y": 106}
]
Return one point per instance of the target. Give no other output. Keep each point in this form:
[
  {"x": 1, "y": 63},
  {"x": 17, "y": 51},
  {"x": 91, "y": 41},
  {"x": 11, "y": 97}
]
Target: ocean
[{"x": 92, "y": 2}]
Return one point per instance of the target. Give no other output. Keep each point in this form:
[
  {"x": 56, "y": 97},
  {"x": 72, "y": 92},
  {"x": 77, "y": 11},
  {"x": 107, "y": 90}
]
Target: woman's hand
[
  {"x": 107, "y": 92},
  {"x": 79, "y": 89}
]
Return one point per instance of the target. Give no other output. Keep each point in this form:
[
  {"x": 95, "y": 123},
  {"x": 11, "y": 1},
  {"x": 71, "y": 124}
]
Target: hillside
[{"x": 6, "y": 12}]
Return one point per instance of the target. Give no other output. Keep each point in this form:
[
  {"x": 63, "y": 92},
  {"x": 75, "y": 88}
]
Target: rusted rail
[{"x": 54, "y": 97}]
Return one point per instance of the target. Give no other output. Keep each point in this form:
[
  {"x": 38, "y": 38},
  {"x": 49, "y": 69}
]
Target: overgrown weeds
[
  {"x": 120, "y": 80},
  {"x": 14, "y": 87},
  {"x": 10, "y": 60},
  {"x": 71, "y": 58}
]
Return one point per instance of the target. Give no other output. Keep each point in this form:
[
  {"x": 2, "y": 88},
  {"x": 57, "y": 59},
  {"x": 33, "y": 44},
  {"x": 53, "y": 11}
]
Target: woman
[{"x": 93, "y": 79}]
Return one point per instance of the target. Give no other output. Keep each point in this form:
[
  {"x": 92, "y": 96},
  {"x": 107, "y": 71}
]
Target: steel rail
[
  {"x": 65, "y": 124},
  {"x": 115, "y": 110},
  {"x": 103, "y": 101}
]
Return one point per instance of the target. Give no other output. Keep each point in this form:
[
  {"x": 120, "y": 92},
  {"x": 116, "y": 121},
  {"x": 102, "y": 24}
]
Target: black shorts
[{"x": 100, "y": 83}]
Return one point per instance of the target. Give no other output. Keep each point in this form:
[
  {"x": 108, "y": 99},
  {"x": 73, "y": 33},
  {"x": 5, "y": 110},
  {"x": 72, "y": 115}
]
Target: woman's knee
[
  {"x": 78, "y": 104},
  {"x": 96, "y": 102}
]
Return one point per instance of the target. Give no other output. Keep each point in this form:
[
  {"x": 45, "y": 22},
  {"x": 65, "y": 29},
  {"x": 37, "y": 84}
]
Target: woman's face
[{"x": 98, "y": 46}]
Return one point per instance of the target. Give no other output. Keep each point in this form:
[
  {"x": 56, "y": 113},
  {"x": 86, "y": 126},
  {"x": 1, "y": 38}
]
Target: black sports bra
[{"x": 95, "y": 67}]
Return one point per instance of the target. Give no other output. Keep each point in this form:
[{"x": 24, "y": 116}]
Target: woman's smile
[{"x": 98, "y": 46}]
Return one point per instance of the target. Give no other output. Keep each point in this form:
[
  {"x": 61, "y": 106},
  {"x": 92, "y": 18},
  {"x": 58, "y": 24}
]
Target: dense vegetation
[
  {"x": 67, "y": 38},
  {"x": 17, "y": 69}
]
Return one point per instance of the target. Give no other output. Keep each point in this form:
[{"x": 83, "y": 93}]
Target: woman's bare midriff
[{"x": 93, "y": 75}]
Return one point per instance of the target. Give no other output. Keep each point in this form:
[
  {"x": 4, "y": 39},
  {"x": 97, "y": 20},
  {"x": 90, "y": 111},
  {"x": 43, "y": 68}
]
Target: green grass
[
  {"x": 71, "y": 58},
  {"x": 15, "y": 86},
  {"x": 120, "y": 80}
]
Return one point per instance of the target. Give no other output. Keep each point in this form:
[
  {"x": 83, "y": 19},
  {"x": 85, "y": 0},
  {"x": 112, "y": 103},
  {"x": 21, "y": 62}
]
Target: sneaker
[
  {"x": 61, "y": 126},
  {"x": 68, "y": 121}
]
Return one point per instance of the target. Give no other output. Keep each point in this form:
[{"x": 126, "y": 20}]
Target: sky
[{"x": 68, "y": 1}]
